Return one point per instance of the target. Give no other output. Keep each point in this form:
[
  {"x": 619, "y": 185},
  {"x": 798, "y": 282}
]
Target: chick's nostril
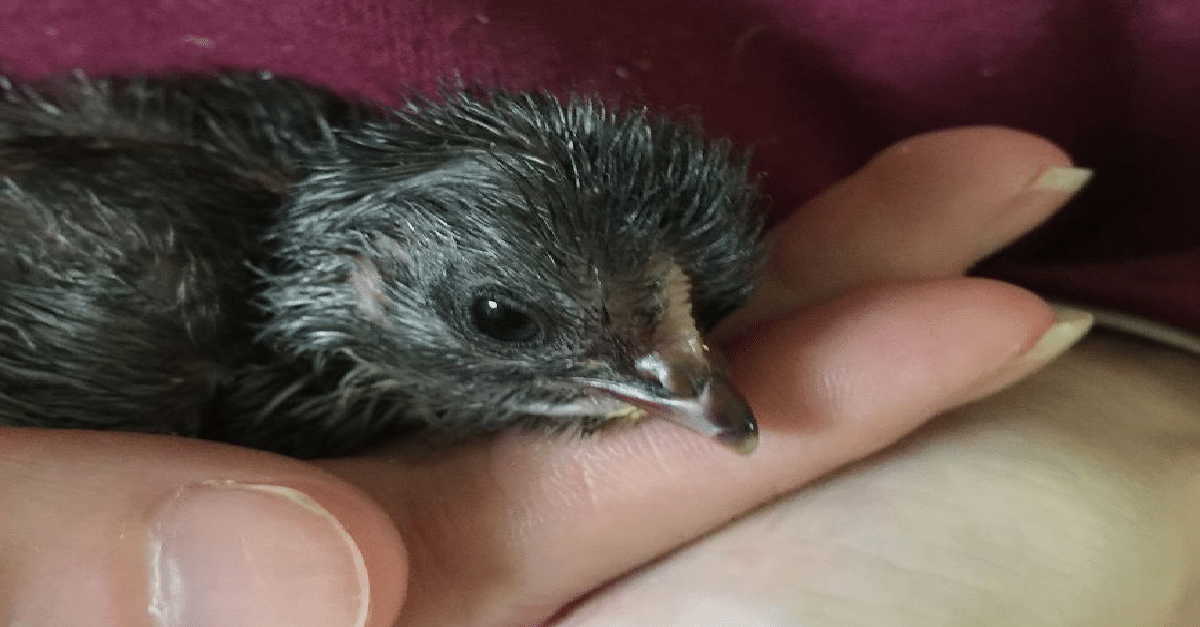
[{"x": 683, "y": 379}]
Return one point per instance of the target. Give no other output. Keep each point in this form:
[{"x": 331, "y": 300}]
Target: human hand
[
  {"x": 511, "y": 531},
  {"x": 1069, "y": 499}
]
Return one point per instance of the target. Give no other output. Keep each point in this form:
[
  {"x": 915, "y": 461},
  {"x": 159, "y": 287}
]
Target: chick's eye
[{"x": 502, "y": 320}]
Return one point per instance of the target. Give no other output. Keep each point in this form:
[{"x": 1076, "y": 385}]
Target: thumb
[{"x": 112, "y": 530}]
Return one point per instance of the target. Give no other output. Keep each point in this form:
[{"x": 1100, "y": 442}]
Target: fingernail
[
  {"x": 228, "y": 554},
  {"x": 1069, "y": 327},
  {"x": 1065, "y": 179}
]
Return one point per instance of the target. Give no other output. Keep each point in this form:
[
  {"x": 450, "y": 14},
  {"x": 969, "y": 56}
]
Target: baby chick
[{"x": 257, "y": 260}]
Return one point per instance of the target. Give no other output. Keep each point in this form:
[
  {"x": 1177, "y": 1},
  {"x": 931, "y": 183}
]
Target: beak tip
[{"x": 743, "y": 440}]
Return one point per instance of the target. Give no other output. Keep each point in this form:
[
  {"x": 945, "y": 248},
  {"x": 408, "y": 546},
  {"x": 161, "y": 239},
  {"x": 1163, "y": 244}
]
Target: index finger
[{"x": 507, "y": 534}]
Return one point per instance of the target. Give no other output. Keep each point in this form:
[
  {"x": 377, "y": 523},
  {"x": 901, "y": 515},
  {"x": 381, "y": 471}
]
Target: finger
[
  {"x": 113, "y": 530},
  {"x": 508, "y": 534},
  {"x": 991, "y": 518},
  {"x": 927, "y": 207}
]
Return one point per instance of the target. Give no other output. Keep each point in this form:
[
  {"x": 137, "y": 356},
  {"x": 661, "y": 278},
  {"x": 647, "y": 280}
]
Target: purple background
[{"x": 815, "y": 86}]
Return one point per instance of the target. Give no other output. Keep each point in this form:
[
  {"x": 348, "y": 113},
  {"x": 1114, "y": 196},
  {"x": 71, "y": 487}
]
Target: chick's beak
[{"x": 687, "y": 384}]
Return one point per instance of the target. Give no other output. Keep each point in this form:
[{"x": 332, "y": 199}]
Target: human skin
[
  {"x": 510, "y": 532},
  {"x": 1070, "y": 499}
]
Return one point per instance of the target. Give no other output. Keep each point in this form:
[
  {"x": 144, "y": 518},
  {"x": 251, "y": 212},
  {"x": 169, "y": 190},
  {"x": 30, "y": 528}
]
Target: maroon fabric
[{"x": 815, "y": 86}]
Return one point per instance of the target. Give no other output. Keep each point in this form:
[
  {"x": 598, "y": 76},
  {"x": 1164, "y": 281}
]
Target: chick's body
[{"x": 256, "y": 260}]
